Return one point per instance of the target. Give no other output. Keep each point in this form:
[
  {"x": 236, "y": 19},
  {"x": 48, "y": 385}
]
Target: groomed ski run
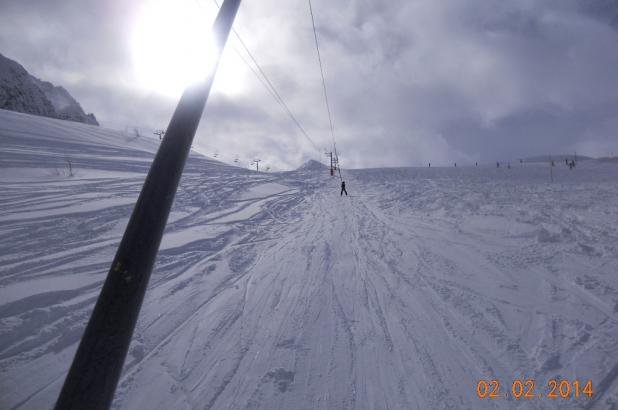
[{"x": 271, "y": 291}]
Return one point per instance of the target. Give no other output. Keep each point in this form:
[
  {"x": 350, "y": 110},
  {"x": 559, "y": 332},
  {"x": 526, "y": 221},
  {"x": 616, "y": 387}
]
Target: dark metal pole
[{"x": 96, "y": 368}]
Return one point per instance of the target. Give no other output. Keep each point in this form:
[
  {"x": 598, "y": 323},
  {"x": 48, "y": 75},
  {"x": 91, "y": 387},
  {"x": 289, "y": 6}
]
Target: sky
[{"x": 408, "y": 81}]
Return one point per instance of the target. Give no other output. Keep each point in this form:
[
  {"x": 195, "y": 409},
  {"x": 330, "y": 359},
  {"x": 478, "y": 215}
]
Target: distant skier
[{"x": 343, "y": 189}]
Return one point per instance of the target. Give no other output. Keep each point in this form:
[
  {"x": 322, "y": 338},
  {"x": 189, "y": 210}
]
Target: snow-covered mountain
[
  {"x": 312, "y": 164},
  {"x": 22, "y": 92},
  {"x": 270, "y": 291}
]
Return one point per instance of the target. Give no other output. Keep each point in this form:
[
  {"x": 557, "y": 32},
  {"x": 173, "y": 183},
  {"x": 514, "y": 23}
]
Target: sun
[{"x": 172, "y": 47}]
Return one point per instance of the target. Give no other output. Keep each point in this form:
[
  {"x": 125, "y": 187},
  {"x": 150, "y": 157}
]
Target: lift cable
[
  {"x": 267, "y": 83},
  {"x": 317, "y": 47},
  {"x": 330, "y": 117}
]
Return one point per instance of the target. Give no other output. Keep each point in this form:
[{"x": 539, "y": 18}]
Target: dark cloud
[
  {"x": 409, "y": 81},
  {"x": 604, "y": 10}
]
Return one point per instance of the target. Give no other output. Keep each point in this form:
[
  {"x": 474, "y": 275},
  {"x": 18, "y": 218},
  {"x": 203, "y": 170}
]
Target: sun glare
[{"x": 172, "y": 47}]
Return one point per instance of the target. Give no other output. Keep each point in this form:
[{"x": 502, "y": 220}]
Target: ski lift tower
[
  {"x": 160, "y": 133},
  {"x": 330, "y": 155}
]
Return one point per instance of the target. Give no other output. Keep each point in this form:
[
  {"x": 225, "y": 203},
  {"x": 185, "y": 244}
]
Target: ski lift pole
[
  {"x": 97, "y": 365},
  {"x": 337, "y": 161},
  {"x": 330, "y": 154}
]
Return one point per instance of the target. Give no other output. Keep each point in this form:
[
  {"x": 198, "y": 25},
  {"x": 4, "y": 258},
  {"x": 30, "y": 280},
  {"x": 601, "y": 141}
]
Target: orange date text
[{"x": 528, "y": 389}]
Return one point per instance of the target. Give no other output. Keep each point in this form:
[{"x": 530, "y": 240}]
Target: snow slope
[{"x": 272, "y": 292}]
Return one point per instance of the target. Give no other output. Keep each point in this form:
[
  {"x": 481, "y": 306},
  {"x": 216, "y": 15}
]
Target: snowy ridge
[
  {"x": 556, "y": 158},
  {"x": 312, "y": 165},
  {"x": 22, "y": 92},
  {"x": 272, "y": 292}
]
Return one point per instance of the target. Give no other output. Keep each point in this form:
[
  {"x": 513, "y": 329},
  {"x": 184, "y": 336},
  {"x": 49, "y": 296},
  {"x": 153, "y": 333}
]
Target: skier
[{"x": 343, "y": 189}]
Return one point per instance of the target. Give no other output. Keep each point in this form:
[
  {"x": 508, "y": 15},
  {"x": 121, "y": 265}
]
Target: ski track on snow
[{"x": 271, "y": 291}]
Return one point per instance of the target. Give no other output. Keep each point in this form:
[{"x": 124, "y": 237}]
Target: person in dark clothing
[{"x": 343, "y": 189}]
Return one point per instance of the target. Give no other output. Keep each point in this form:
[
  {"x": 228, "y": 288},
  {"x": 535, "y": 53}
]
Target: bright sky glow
[{"x": 172, "y": 47}]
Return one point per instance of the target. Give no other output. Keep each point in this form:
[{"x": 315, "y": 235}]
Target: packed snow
[{"x": 271, "y": 291}]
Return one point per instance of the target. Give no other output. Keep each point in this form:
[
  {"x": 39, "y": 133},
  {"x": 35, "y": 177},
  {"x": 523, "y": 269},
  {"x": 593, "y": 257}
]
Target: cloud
[{"x": 409, "y": 81}]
